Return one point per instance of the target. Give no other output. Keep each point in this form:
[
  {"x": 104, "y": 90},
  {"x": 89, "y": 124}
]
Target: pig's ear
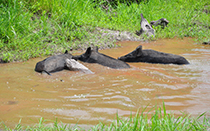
[
  {"x": 139, "y": 51},
  {"x": 95, "y": 49},
  {"x": 88, "y": 51},
  {"x": 66, "y": 52}
]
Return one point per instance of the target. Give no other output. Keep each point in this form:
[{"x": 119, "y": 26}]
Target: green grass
[
  {"x": 158, "y": 121},
  {"x": 34, "y": 28}
]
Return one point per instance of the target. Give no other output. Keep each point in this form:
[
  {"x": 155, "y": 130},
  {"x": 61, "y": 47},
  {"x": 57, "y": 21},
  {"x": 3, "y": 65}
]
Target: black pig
[
  {"x": 152, "y": 56},
  {"x": 93, "y": 56},
  {"x": 53, "y": 63}
]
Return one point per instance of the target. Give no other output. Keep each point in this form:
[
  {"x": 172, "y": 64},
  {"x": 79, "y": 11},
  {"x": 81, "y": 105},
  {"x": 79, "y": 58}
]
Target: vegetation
[
  {"x": 159, "y": 121},
  {"x": 34, "y": 28}
]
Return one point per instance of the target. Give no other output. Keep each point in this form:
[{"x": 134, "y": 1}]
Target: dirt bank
[{"x": 106, "y": 38}]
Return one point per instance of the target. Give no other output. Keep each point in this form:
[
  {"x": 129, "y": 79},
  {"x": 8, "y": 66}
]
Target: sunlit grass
[
  {"x": 154, "y": 120},
  {"x": 33, "y": 28}
]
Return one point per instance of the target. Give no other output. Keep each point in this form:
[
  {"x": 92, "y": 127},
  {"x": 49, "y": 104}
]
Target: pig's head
[
  {"x": 89, "y": 53},
  {"x": 84, "y": 57},
  {"x": 132, "y": 55},
  {"x": 68, "y": 55}
]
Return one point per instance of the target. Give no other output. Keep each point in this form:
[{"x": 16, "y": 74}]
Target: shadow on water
[{"x": 75, "y": 97}]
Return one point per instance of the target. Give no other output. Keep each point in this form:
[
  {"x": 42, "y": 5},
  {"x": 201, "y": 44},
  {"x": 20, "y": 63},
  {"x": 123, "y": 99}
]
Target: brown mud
[{"x": 75, "y": 97}]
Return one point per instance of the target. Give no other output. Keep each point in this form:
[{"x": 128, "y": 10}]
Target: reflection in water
[{"x": 75, "y": 97}]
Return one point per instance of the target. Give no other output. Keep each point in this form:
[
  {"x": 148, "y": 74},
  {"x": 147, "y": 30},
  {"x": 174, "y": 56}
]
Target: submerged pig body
[
  {"x": 152, "y": 56},
  {"x": 93, "y": 56},
  {"x": 53, "y": 63}
]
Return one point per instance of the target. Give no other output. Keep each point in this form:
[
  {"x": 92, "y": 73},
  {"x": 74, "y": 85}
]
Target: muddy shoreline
[
  {"x": 106, "y": 39},
  {"x": 103, "y": 38}
]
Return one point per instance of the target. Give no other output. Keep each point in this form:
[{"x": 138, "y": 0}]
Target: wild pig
[
  {"x": 93, "y": 56},
  {"x": 53, "y": 63},
  {"x": 152, "y": 56}
]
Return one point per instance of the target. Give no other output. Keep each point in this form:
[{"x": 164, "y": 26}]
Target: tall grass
[
  {"x": 158, "y": 121},
  {"x": 142, "y": 121},
  {"x": 33, "y": 28}
]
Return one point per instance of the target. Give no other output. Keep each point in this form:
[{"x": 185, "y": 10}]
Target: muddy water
[{"x": 75, "y": 97}]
